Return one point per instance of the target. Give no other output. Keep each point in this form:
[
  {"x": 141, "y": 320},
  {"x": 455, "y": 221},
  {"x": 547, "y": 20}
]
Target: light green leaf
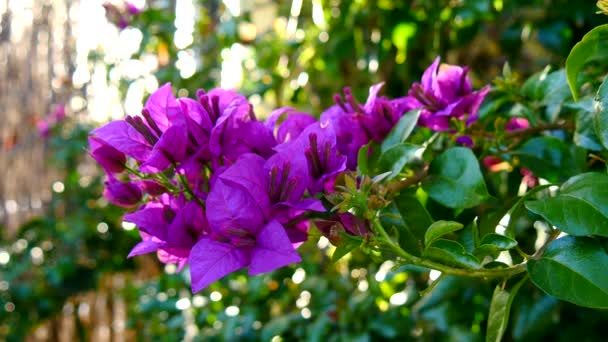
[
  {"x": 500, "y": 307},
  {"x": 367, "y": 158},
  {"x": 455, "y": 179},
  {"x": 451, "y": 253},
  {"x": 439, "y": 229},
  {"x": 492, "y": 244},
  {"x": 581, "y": 53},
  {"x": 346, "y": 244},
  {"x": 402, "y": 130},
  {"x": 580, "y": 208},
  {"x": 573, "y": 269},
  {"x": 396, "y": 157}
]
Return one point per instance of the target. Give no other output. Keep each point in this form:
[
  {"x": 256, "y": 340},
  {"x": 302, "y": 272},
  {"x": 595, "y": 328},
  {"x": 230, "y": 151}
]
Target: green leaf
[
  {"x": 573, "y": 269},
  {"x": 580, "y": 208},
  {"x": 367, "y": 158},
  {"x": 581, "y": 53},
  {"x": 439, "y": 229},
  {"x": 519, "y": 209},
  {"x": 500, "y": 307},
  {"x": 409, "y": 217},
  {"x": 555, "y": 89},
  {"x": 402, "y": 130},
  {"x": 585, "y": 133},
  {"x": 548, "y": 157},
  {"x": 601, "y": 114},
  {"x": 492, "y": 244},
  {"x": 451, "y": 253},
  {"x": 396, "y": 157},
  {"x": 346, "y": 244},
  {"x": 455, "y": 179}
]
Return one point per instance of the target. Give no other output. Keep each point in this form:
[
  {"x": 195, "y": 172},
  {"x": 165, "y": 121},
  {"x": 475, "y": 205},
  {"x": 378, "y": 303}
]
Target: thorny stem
[{"x": 471, "y": 273}]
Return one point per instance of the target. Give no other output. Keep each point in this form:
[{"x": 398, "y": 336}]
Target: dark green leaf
[
  {"x": 548, "y": 157},
  {"x": 409, "y": 217},
  {"x": 396, "y": 157},
  {"x": 402, "y": 130},
  {"x": 573, "y": 269},
  {"x": 451, "y": 253},
  {"x": 455, "y": 179},
  {"x": 601, "y": 114},
  {"x": 581, "y": 53},
  {"x": 500, "y": 307},
  {"x": 439, "y": 229},
  {"x": 556, "y": 92},
  {"x": 580, "y": 208}
]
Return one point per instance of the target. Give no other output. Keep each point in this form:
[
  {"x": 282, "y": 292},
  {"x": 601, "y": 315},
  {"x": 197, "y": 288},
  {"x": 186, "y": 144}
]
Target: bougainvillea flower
[
  {"x": 516, "y": 124},
  {"x": 110, "y": 159},
  {"x": 169, "y": 226},
  {"x": 293, "y": 123},
  {"x": 240, "y": 236},
  {"x": 444, "y": 93},
  {"x": 123, "y": 194},
  {"x": 317, "y": 149},
  {"x": 238, "y": 132},
  {"x": 132, "y": 9},
  {"x": 356, "y": 124},
  {"x": 278, "y": 186},
  {"x": 465, "y": 140},
  {"x": 157, "y": 138}
]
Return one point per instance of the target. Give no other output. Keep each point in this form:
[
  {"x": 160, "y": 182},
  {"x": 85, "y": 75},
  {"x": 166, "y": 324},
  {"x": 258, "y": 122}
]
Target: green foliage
[
  {"x": 580, "y": 208},
  {"x": 582, "y": 52},
  {"x": 439, "y": 229},
  {"x": 455, "y": 179},
  {"x": 448, "y": 216},
  {"x": 498, "y": 317},
  {"x": 573, "y": 269}
]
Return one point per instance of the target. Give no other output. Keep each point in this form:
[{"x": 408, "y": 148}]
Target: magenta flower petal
[
  {"x": 110, "y": 159},
  {"x": 516, "y": 124},
  {"x": 163, "y": 106},
  {"x": 124, "y": 194},
  {"x": 444, "y": 93},
  {"x": 170, "y": 149},
  {"x": 145, "y": 247},
  {"x": 248, "y": 173},
  {"x": 123, "y": 137},
  {"x": 293, "y": 124},
  {"x": 189, "y": 225},
  {"x": 273, "y": 250},
  {"x": 211, "y": 260},
  {"x": 153, "y": 221},
  {"x": 230, "y": 206}
]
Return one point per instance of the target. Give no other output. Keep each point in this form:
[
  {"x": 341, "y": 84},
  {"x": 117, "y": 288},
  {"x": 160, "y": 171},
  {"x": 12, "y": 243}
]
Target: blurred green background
[{"x": 63, "y": 268}]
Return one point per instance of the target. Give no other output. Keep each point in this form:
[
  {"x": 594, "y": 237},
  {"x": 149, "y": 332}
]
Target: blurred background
[{"x": 68, "y": 66}]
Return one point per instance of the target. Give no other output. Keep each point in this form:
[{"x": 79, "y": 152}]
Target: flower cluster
[
  {"x": 121, "y": 15},
  {"x": 211, "y": 186}
]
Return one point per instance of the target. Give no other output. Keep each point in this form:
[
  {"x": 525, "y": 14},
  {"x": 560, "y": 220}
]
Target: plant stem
[
  {"x": 395, "y": 187},
  {"x": 444, "y": 269}
]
